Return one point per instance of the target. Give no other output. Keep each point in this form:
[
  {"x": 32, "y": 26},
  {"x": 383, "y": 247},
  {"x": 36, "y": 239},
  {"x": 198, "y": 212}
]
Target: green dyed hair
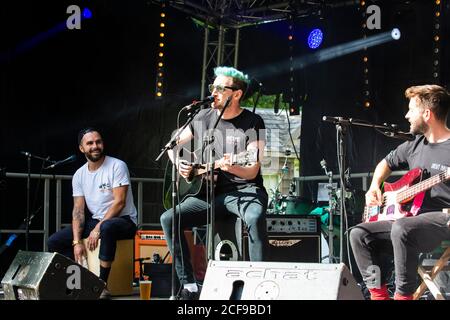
[{"x": 240, "y": 80}]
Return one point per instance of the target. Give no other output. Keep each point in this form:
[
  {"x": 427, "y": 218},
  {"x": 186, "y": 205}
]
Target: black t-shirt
[
  {"x": 230, "y": 136},
  {"x": 432, "y": 157}
]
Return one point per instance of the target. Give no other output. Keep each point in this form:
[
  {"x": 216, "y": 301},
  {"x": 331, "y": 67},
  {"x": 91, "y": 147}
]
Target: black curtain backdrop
[{"x": 55, "y": 81}]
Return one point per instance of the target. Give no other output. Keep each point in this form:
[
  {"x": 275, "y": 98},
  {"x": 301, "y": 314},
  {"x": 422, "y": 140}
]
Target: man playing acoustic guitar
[
  {"x": 407, "y": 219},
  {"x": 239, "y": 189}
]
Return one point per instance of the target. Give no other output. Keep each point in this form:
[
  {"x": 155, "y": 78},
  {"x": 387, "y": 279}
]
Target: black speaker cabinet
[{"x": 49, "y": 276}]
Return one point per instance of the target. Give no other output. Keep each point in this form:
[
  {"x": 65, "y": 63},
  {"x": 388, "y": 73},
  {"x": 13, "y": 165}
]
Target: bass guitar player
[{"x": 408, "y": 218}]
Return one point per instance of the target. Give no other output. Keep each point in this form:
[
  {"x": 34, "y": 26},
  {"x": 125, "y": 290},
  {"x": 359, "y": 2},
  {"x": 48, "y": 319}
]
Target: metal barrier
[
  {"x": 58, "y": 198},
  {"x": 363, "y": 176},
  {"x": 140, "y": 181}
]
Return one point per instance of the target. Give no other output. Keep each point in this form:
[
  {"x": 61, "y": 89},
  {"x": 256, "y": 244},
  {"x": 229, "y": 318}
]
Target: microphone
[
  {"x": 399, "y": 135},
  {"x": 72, "y": 158},
  {"x": 391, "y": 126},
  {"x": 393, "y": 132},
  {"x": 207, "y": 100},
  {"x": 335, "y": 119}
]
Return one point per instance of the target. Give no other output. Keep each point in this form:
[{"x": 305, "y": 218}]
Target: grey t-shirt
[{"x": 431, "y": 157}]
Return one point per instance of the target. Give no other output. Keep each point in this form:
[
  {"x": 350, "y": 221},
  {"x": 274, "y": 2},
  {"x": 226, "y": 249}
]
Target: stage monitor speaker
[
  {"x": 241, "y": 280},
  {"x": 49, "y": 276}
]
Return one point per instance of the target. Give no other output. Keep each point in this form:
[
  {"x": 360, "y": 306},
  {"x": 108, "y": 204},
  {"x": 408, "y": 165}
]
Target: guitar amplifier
[
  {"x": 148, "y": 243},
  {"x": 291, "y": 238},
  {"x": 294, "y": 238}
]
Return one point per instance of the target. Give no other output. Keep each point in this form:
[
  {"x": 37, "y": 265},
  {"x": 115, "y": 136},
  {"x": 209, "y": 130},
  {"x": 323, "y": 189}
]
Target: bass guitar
[
  {"x": 193, "y": 184},
  {"x": 404, "y": 197}
]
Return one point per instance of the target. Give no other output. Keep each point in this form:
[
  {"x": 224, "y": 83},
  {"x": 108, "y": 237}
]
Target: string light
[
  {"x": 437, "y": 43},
  {"x": 293, "y": 107},
  {"x": 160, "y": 61},
  {"x": 366, "y": 94}
]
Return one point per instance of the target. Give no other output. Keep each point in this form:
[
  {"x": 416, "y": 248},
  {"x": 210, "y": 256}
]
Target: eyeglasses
[{"x": 220, "y": 88}]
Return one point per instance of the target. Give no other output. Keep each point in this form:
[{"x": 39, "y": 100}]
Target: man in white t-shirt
[{"x": 102, "y": 185}]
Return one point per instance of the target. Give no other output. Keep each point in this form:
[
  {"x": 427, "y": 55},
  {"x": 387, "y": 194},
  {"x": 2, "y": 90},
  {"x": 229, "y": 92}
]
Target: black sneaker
[
  {"x": 105, "y": 295},
  {"x": 185, "y": 294}
]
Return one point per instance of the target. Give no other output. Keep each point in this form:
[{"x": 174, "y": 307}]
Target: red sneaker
[
  {"x": 379, "y": 293},
  {"x": 398, "y": 296}
]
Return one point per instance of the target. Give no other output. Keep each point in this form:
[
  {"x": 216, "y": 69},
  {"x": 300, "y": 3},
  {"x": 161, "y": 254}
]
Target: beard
[
  {"x": 95, "y": 158},
  {"x": 419, "y": 128}
]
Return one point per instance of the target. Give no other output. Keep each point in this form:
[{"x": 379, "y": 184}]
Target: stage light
[
  {"x": 161, "y": 54},
  {"x": 315, "y": 38},
  {"x": 161, "y": 35},
  {"x": 395, "y": 34},
  {"x": 438, "y": 2},
  {"x": 290, "y": 37},
  {"x": 365, "y": 59},
  {"x": 162, "y": 25},
  {"x": 161, "y": 44},
  {"x": 436, "y": 38},
  {"x": 438, "y": 13},
  {"x": 159, "y": 84},
  {"x": 163, "y": 14},
  {"x": 160, "y": 64},
  {"x": 160, "y": 74},
  {"x": 159, "y": 94},
  {"x": 87, "y": 14},
  {"x": 367, "y": 104},
  {"x": 294, "y": 110}
]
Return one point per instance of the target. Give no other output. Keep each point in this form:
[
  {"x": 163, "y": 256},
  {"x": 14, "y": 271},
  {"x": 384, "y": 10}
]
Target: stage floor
[{"x": 134, "y": 296}]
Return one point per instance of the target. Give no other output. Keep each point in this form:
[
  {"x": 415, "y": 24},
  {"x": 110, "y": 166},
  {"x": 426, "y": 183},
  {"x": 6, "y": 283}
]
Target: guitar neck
[{"x": 422, "y": 186}]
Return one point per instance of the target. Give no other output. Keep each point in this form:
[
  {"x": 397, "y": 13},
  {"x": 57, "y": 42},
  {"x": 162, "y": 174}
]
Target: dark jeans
[
  {"x": 249, "y": 204},
  {"x": 376, "y": 243},
  {"x": 111, "y": 230}
]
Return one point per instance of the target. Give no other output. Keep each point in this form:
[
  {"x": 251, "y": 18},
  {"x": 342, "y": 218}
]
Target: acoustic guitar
[{"x": 194, "y": 183}]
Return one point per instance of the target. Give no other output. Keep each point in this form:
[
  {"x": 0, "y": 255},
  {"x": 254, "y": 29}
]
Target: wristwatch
[{"x": 75, "y": 242}]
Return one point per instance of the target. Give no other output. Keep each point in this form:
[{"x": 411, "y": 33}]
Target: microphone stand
[
  {"x": 169, "y": 146},
  {"x": 331, "y": 212},
  {"x": 27, "y": 219},
  {"x": 210, "y": 210},
  {"x": 341, "y": 129}
]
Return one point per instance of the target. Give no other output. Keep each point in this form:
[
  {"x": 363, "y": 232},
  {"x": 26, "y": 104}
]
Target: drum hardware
[
  {"x": 275, "y": 196},
  {"x": 332, "y": 204}
]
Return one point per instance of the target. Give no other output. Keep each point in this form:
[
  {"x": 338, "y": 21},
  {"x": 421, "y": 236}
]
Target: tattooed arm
[{"x": 78, "y": 220}]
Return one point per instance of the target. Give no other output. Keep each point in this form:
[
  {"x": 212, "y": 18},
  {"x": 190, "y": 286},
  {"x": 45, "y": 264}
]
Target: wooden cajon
[{"x": 120, "y": 280}]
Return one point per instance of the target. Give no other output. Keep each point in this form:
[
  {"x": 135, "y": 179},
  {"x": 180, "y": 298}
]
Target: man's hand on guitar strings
[{"x": 374, "y": 197}]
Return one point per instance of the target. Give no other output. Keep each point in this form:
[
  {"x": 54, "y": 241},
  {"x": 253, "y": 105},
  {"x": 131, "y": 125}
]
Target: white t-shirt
[{"x": 96, "y": 187}]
